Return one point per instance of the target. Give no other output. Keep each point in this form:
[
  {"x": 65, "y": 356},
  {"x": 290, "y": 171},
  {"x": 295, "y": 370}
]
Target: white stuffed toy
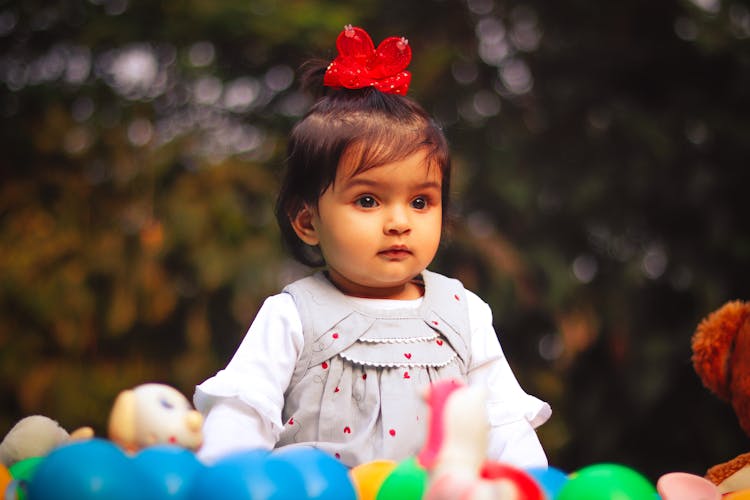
[
  {"x": 36, "y": 436},
  {"x": 151, "y": 414}
]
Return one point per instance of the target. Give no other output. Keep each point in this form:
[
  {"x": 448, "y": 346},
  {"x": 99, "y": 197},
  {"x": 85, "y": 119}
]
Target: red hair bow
[{"x": 359, "y": 64}]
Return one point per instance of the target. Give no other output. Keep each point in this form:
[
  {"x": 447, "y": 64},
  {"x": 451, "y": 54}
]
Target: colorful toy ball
[
  {"x": 21, "y": 473},
  {"x": 24, "y": 470},
  {"x": 324, "y": 476},
  {"x": 605, "y": 482},
  {"x": 550, "y": 479},
  {"x": 84, "y": 470},
  {"x": 525, "y": 485},
  {"x": 407, "y": 481},
  {"x": 249, "y": 475},
  {"x": 169, "y": 470},
  {"x": 369, "y": 476}
]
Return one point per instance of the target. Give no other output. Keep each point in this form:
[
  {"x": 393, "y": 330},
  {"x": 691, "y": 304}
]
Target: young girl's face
[{"x": 377, "y": 229}]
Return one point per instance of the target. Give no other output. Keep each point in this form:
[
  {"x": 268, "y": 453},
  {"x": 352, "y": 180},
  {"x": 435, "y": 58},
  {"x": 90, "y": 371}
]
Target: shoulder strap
[
  {"x": 329, "y": 324},
  {"x": 446, "y": 304}
]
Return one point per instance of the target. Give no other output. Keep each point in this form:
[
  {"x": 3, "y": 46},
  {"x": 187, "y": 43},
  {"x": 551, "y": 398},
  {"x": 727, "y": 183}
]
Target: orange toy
[{"x": 721, "y": 357}]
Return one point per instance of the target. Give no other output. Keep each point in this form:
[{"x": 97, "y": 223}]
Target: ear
[
  {"x": 122, "y": 420},
  {"x": 82, "y": 433},
  {"x": 303, "y": 224}
]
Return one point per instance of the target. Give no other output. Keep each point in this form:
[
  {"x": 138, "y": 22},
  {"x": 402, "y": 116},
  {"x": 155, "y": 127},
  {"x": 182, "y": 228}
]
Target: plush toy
[
  {"x": 152, "y": 414},
  {"x": 36, "y": 436},
  {"x": 721, "y": 357},
  {"x": 455, "y": 451}
]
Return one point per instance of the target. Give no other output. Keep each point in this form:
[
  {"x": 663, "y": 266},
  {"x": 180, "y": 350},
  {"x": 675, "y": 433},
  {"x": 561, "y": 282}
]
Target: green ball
[
  {"x": 24, "y": 469},
  {"x": 22, "y": 472},
  {"x": 607, "y": 482},
  {"x": 407, "y": 481}
]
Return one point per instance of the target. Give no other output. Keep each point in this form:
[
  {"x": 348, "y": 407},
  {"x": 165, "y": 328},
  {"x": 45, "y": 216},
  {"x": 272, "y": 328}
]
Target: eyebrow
[{"x": 354, "y": 182}]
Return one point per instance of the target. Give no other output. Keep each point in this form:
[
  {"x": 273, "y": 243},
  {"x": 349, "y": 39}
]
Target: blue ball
[
  {"x": 85, "y": 470},
  {"x": 325, "y": 477},
  {"x": 249, "y": 475},
  {"x": 169, "y": 470},
  {"x": 550, "y": 479}
]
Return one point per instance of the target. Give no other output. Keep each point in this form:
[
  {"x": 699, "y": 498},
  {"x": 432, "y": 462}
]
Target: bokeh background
[{"x": 601, "y": 154}]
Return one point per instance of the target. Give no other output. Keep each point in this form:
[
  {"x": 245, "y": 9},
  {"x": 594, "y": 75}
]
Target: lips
[{"x": 396, "y": 252}]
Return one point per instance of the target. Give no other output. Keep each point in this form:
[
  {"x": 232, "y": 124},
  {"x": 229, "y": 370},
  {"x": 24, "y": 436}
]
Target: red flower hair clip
[{"x": 359, "y": 64}]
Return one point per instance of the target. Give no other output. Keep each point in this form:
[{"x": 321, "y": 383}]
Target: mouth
[{"x": 396, "y": 252}]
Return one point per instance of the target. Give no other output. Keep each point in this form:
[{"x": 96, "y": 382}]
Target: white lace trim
[
  {"x": 400, "y": 340},
  {"x": 398, "y": 364}
]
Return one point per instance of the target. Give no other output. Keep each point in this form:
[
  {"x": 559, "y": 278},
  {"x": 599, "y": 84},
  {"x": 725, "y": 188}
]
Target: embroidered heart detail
[
  {"x": 324, "y": 365},
  {"x": 347, "y": 430},
  {"x": 407, "y": 355},
  {"x": 406, "y": 375},
  {"x": 439, "y": 342},
  {"x": 337, "y": 455},
  {"x": 291, "y": 421},
  {"x": 392, "y": 432},
  {"x": 457, "y": 298},
  {"x": 364, "y": 376},
  {"x": 335, "y": 335},
  {"x": 435, "y": 323},
  {"x": 336, "y": 390}
]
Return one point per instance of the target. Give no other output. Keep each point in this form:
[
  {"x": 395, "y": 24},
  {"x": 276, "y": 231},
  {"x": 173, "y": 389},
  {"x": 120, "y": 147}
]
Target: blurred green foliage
[{"x": 600, "y": 154}]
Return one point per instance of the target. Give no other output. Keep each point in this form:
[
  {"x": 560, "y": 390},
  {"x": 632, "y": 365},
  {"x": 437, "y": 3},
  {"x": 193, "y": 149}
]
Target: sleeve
[
  {"x": 242, "y": 403},
  {"x": 513, "y": 414}
]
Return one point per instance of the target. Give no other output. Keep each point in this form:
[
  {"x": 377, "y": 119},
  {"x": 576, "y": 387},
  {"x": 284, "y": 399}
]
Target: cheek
[
  {"x": 350, "y": 241},
  {"x": 434, "y": 226},
  {"x": 343, "y": 238}
]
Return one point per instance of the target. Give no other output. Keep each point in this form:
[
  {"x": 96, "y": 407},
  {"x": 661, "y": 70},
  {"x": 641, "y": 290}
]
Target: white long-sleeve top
[{"x": 243, "y": 402}]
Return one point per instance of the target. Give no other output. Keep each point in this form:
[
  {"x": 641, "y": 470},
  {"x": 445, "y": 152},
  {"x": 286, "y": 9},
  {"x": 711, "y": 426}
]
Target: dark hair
[{"x": 379, "y": 128}]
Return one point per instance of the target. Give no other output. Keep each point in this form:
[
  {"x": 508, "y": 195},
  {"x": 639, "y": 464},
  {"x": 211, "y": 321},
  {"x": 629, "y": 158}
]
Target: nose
[{"x": 397, "y": 221}]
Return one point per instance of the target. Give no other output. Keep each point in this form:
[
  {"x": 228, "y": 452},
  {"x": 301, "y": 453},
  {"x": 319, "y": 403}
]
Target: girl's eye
[
  {"x": 420, "y": 203},
  {"x": 166, "y": 404},
  {"x": 366, "y": 202}
]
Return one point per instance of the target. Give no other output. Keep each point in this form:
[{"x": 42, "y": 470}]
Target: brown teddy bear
[{"x": 721, "y": 357}]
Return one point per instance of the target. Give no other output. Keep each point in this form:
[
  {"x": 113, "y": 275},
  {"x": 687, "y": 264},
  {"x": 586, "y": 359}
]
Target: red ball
[{"x": 527, "y": 487}]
